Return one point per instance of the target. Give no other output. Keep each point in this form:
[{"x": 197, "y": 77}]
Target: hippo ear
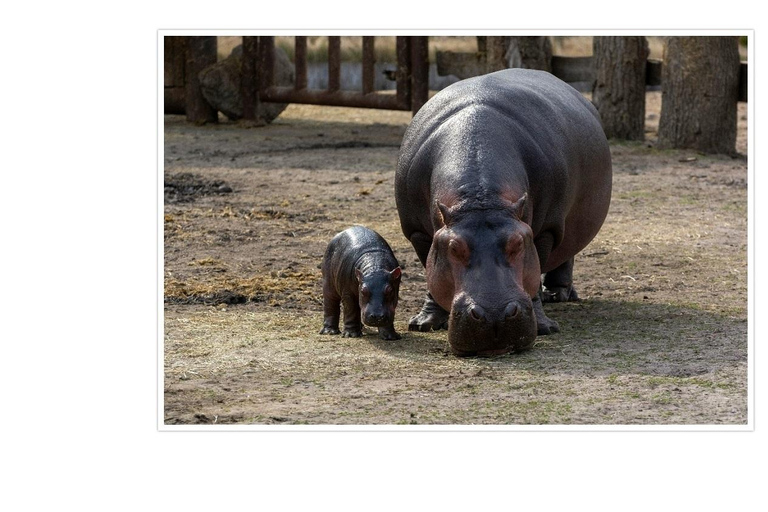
[
  {"x": 518, "y": 207},
  {"x": 359, "y": 275},
  {"x": 445, "y": 213},
  {"x": 395, "y": 274}
]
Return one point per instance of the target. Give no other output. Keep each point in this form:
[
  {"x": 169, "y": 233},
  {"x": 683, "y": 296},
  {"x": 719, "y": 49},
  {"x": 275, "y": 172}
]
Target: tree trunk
[
  {"x": 502, "y": 52},
  {"x": 529, "y": 53},
  {"x": 619, "y": 89},
  {"x": 700, "y": 87}
]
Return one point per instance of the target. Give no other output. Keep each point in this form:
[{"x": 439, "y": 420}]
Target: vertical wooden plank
[
  {"x": 173, "y": 61},
  {"x": 266, "y": 62},
  {"x": 248, "y": 86},
  {"x": 168, "y": 61},
  {"x": 334, "y": 63},
  {"x": 420, "y": 72},
  {"x": 301, "y": 62},
  {"x": 403, "y": 48},
  {"x": 369, "y": 59},
  {"x": 200, "y": 53}
]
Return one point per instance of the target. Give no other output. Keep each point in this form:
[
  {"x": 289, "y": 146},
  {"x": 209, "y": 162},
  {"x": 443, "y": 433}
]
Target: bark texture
[
  {"x": 619, "y": 89},
  {"x": 529, "y": 53},
  {"x": 502, "y": 52},
  {"x": 700, "y": 88}
]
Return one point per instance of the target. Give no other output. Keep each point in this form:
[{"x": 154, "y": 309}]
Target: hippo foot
[
  {"x": 425, "y": 323},
  {"x": 330, "y": 330},
  {"x": 431, "y": 317},
  {"x": 352, "y": 333},
  {"x": 559, "y": 294},
  {"x": 388, "y": 334},
  {"x": 544, "y": 325}
]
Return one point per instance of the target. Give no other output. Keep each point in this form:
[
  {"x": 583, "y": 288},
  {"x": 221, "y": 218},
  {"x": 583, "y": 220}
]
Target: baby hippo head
[{"x": 378, "y": 294}]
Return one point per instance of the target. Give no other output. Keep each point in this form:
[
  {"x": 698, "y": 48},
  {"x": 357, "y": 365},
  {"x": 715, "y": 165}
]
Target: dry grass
[
  {"x": 273, "y": 288},
  {"x": 660, "y": 337}
]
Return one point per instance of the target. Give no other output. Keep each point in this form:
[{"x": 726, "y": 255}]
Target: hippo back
[{"x": 517, "y": 129}]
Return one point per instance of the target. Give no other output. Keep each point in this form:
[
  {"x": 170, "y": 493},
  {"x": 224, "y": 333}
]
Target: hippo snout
[
  {"x": 376, "y": 319},
  {"x": 475, "y": 329}
]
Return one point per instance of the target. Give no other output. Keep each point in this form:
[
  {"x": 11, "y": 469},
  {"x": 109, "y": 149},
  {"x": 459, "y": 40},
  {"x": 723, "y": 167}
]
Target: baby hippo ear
[
  {"x": 395, "y": 274},
  {"x": 359, "y": 275}
]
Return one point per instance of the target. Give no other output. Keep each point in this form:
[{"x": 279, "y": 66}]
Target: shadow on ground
[{"x": 601, "y": 337}]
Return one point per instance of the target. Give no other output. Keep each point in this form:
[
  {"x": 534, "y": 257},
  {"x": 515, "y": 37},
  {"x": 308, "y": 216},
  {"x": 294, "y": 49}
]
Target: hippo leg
[
  {"x": 353, "y": 327},
  {"x": 543, "y": 247},
  {"x": 544, "y": 325},
  {"x": 558, "y": 284},
  {"x": 331, "y": 311},
  {"x": 387, "y": 332},
  {"x": 431, "y": 316}
]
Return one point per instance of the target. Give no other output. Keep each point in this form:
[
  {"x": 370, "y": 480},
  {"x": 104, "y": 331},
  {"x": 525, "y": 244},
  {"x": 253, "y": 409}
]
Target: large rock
[{"x": 220, "y": 84}]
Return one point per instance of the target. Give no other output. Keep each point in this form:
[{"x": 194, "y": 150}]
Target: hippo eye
[
  {"x": 515, "y": 244},
  {"x": 388, "y": 290},
  {"x": 365, "y": 291},
  {"x": 458, "y": 248}
]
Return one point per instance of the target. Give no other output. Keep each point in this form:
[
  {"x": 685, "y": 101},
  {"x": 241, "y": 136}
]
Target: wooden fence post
[{"x": 200, "y": 53}]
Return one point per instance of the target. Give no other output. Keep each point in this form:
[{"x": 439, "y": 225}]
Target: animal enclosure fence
[{"x": 186, "y": 56}]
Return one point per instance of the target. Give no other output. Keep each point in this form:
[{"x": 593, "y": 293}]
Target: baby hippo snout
[{"x": 375, "y": 318}]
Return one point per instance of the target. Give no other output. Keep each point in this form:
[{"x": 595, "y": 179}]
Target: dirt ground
[{"x": 659, "y": 337}]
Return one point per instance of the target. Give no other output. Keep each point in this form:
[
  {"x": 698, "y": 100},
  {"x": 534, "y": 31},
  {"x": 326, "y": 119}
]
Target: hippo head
[
  {"x": 484, "y": 269},
  {"x": 378, "y": 293}
]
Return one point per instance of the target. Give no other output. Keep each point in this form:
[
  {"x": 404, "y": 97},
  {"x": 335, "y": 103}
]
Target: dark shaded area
[{"x": 186, "y": 187}]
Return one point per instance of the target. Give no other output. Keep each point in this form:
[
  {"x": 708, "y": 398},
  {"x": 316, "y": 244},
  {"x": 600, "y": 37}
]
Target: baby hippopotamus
[{"x": 360, "y": 271}]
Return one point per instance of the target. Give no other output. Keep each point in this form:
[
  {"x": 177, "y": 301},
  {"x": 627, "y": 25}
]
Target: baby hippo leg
[
  {"x": 387, "y": 332},
  {"x": 353, "y": 327},
  {"x": 331, "y": 312}
]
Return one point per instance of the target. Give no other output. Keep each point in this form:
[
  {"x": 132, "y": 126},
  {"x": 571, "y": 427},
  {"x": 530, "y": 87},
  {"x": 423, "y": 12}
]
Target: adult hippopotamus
[{"x": 501, "y": 178}]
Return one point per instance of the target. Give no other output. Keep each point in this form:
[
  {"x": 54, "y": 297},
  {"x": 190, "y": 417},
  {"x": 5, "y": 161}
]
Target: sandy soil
[{"x": 660, "y": 336}]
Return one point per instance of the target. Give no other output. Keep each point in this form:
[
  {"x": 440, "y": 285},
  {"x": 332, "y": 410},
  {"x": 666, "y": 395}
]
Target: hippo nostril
[
  {"x": 512, "y": 310},
  {"x": 476, "y": 312}
]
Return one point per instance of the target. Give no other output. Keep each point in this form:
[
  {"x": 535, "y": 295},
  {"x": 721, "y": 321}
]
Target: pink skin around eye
[
  {"x": 515, "y": 244},
  {"x": 459, "y": 249}
]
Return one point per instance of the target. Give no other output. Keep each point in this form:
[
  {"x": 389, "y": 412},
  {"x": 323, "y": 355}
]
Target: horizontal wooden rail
[
  {"x": 568, "y": 69},
  {"x": 338, "y": 98}
]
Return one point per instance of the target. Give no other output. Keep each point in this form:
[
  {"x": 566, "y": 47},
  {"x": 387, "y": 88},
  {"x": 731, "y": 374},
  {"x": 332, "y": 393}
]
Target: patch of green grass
[
  {"x": 635, "y": 194},
  {"x": 688, "y": 200}
]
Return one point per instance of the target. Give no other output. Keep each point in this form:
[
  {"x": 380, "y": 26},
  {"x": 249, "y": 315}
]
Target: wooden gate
[{"x": 186, "y": 56}]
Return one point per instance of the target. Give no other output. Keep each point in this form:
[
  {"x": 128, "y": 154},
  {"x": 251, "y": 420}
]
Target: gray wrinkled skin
[
  {"x": 361, "y": 272},
  {"x": 501, "y": 178}
]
